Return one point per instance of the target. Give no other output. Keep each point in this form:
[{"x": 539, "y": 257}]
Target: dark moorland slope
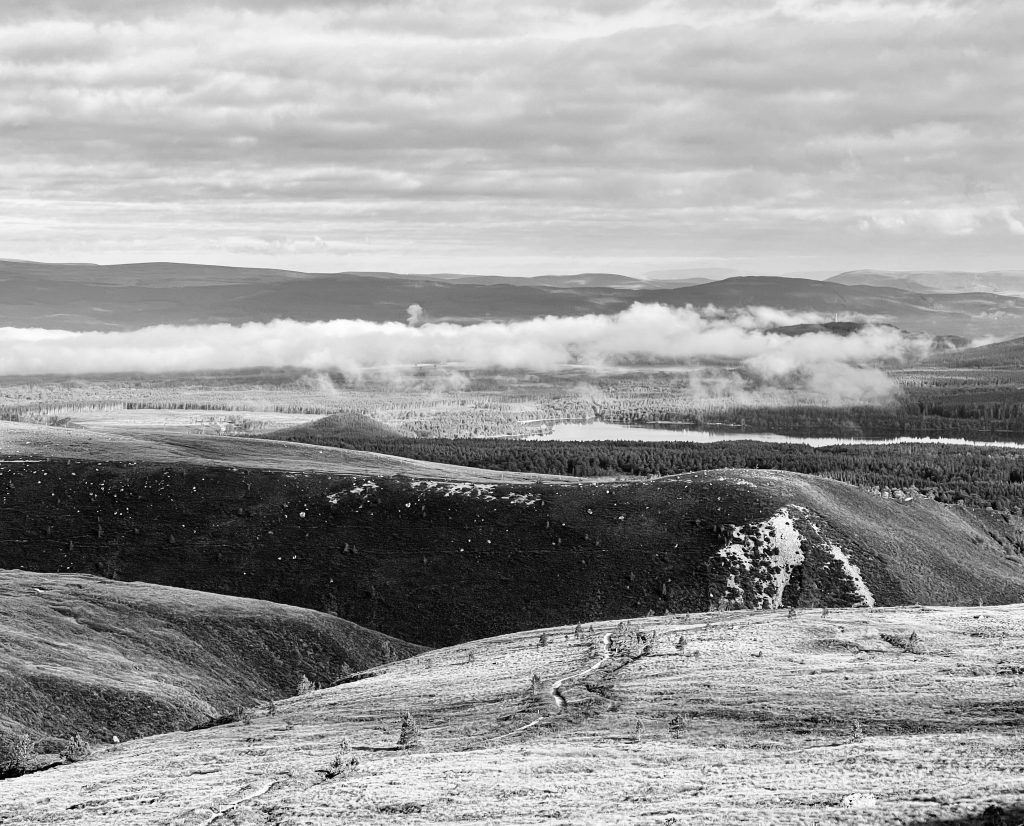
[
  {"x": 84, "y": 655},
  {"x": 435, "y": 562}
]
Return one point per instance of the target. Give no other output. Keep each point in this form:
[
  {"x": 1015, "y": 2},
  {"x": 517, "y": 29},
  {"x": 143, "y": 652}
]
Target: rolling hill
[
  {"x": 84, "y": 655},
  {"x": 1001, "y": 355},
  {"x": 1010, "y": 282},
  {"x": 435, "y": 561},
  {"x": 906, "y": 715}
]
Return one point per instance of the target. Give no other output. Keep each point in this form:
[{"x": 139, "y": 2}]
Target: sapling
[
  {"x": 409, "y": 735},
  {"x": 15, "y": 753},
  {"x": 75, "y": 749}
]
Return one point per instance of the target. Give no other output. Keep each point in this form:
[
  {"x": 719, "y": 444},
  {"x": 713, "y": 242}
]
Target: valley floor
[{"x": 756, "y": 717}]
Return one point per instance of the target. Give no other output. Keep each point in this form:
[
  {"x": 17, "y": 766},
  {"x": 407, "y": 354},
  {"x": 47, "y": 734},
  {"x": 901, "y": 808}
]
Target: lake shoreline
[{"x": 596, "y": 431}]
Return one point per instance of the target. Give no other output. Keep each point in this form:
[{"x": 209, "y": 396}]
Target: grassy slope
[
  {"x": 86, "y": 655},
  {"x": 813, "y": 719},
  {"x": 937, "y": 554},
  {"x": 437, "y": 563},
  {"x": 1003, "y": 354}
]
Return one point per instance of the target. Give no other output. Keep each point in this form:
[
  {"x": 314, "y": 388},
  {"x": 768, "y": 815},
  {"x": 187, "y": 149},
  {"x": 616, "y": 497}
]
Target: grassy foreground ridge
[{"x": 857, "y": 716}]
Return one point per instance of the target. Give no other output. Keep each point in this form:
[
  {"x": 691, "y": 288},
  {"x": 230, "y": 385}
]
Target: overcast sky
[{"x": 514, "y": 137}]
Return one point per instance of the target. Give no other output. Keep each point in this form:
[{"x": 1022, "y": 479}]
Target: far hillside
[
  {"x": 1010, "y": 282},
  {"x": 1003, "y": 354},
  {"x": 86, "y": 656},
  {"x": 345, "y": 429},
  {"x": 990, "y": 478}
]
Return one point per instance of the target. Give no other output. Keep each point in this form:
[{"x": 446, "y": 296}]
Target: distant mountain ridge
[
  {"x": 1009, "y": 282},
  {"x": 125, "y": 297}
]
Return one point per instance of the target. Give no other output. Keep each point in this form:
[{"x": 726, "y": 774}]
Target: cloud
[
  {"x": 415, "y": 313},
  {"x": 1015, "y": 225},
  {"x": 473, "y": 134},
  {"x": 642, "y": 334},
  {"x": 277, "y": 246}
]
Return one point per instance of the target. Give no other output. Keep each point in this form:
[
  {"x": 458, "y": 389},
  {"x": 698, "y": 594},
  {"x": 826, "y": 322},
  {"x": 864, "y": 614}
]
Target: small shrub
[
  {"x": 628, "y": 643},
  {"x": 677, "y": 725},
  {"x": 543, "y": 641},
  {"x": 911, "y": 644},
  {"x": 305, "y": 686},
  {"x": 239, "y": 714},
  {"x": 408, "y": 808},
  {"x": 341, "y": 766},
  {"x": 409, "y": 736},
  {"x": 75, "y": 749},
  {"x": 15, "y": 754}
]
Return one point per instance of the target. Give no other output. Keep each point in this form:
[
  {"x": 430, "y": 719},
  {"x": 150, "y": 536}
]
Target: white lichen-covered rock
[
  {"x": 859, "y": 800},
  {"x": 762, "y": 559}
]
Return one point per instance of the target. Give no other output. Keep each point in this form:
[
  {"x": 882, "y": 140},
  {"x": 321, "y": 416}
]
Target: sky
[{"x": 514, "y": 138}]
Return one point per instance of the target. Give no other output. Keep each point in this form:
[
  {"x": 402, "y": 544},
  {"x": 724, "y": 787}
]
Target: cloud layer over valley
[{"x": 840, "y": 368}]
